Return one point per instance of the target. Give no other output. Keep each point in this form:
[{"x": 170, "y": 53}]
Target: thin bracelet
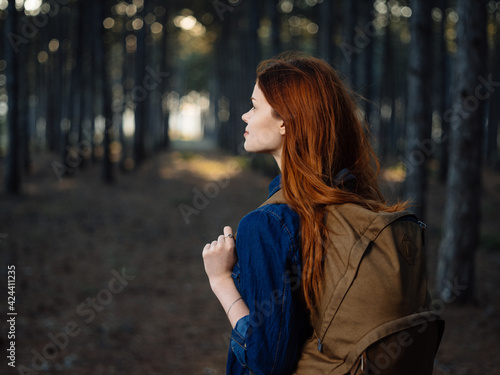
[{"x": 227, "y": 313}]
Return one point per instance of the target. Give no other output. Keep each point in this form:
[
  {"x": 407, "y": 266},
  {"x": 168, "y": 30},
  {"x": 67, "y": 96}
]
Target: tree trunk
[
  {"x": 56, "y": 65},
  {"x": 107, "y": 167},
  {"x": 445, "y": 102},
  {"x": 387, "y": 94},
  {"x": 275, "y": 17},
  {"x": 224, "y": 61},
  {"x": 455, "y": 273},
  {"x": 494, "y": 109},
  {"x": 348, "y": 46},
  {"x": 70, "y": 93},
  {"x": 325, "y": 15},
  {"x": 13, "y": 167},
  {"x": 85, "y": 136},
  {"x": 419, "y": 112},
  {"x": 75, "y": 76},
  {"x": 165, "y": 86},
  {"x": 139, "y": 96},
  {"x": 97, "y": 71},
  {"x": 23, "y": 80}
]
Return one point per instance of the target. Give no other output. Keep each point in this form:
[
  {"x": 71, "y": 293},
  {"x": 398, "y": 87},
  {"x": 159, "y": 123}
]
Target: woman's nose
[{"x": 244, "y": 117}]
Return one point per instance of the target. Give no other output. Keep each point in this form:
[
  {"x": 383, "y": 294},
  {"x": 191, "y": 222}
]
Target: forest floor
[{"x": 110, "y": 280}]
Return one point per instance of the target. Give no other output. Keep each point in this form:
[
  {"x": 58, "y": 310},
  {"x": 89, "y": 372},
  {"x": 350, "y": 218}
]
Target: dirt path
[{"x": 109, "y": 279}]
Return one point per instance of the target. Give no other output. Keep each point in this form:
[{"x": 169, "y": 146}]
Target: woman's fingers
[
  {"x": 221, "y": 241},
  {"x": 228, "y": 232}
]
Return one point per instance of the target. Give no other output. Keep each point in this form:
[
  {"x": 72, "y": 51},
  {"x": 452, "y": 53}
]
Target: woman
[{"x": 305, "y": 117}]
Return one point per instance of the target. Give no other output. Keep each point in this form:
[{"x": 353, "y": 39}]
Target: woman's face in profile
[{"x": 264, "y": 131}]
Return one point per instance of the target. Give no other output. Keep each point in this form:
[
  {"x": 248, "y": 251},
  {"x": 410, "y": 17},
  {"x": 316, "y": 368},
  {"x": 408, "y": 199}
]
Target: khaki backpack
[{"x": 373, "y": 316}]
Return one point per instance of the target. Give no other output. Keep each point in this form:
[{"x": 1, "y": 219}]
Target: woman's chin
[{"x": 248, "y": 147}]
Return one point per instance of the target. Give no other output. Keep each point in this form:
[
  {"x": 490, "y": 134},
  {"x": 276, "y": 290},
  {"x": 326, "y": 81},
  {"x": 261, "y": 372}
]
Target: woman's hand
[{"x": 220, "y": 258}]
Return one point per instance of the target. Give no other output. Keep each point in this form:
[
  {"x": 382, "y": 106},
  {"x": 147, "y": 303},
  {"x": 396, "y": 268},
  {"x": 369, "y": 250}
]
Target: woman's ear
[{"x": 282, "y": 128}]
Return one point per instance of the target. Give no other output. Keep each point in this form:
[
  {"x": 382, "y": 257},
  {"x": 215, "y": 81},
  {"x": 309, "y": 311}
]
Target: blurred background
[{"x": 121, "y": 149}]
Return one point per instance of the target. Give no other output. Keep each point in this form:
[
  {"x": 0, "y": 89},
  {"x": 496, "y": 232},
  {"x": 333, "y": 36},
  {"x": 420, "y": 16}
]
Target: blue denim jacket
[{"x": 269, "y": 339}]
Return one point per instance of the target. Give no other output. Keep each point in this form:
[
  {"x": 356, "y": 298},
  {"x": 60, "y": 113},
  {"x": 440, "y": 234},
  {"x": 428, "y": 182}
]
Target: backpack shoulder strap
[{"x": 276, "y": 198}]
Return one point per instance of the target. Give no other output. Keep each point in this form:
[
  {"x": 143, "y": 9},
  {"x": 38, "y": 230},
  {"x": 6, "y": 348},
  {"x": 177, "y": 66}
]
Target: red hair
[{"x": 323, "y": 136}]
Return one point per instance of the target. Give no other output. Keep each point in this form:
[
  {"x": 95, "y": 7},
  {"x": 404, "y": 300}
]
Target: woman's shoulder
[
  {"x": 272, "y": 221},
  {"x": 272, "y": 213}
]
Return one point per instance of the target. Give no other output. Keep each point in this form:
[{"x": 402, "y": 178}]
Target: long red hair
[{"x": 324, "y": 135}]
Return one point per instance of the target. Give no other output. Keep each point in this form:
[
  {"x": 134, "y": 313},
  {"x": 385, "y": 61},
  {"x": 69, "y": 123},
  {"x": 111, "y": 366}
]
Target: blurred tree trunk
[
  {"x": 106, "y": 43},
  {"x": 455, "y": 272},
  {"x": 139, "y": 95},
  {"x": 337, "y": 20},
  {"x": 362, "y": 41},
  {"x": 275, "y": 17},
  {"x": 444, "y": 63},
  {"x": 249, "y": 58},
  {"x": 165, "y": 84},
  {"x": 53, "y": 127},
  {"x": 387, "y": 94},
  {"x": 2, "y": 35},
  {"x": 373, "y": 89},
  {"x": 155, "y": 44},
  {"x": 373, "y": 68},
  {"x": 348, "y": 46},
  {"x": 236, "y": 73},
  {"x": 23, "y": 80},
  {"x": 41, "y": 91},
  {"x": 125, "y": 92},
  {"x": 85, "y": 135},
  {"x": 150, "y": 86},
  {"x": 325, "y": 35},
  {"x": 97, "y": 72},
  {"x": 32, "y": 101},
  {"x": 419, "y": 112},
  {"x": 398, "y": 121},
  {"x": 494, "y": 107},
  {"x": 70, "y": 88},
  {"x": 165, "y": 11},
  {"x": 223, "y": 59},
  {"x": 76, "y": 74},
  {"x": 12, "y": 177}
]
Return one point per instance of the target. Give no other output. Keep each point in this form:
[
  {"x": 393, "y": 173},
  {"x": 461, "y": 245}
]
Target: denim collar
[{"x": 275, "y": 185}]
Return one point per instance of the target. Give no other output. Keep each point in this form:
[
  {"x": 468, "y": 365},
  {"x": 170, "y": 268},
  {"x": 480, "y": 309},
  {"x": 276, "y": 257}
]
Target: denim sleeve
[
  {"x": 238, "y": 345},
  {"x": 267, "y": 340}
]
